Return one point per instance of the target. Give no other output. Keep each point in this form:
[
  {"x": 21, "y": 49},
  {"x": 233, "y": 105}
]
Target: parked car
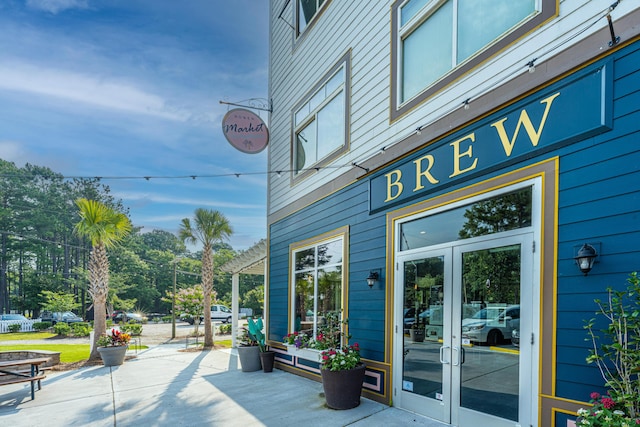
[
  {"x": 126, "y": 317},
  {"x": 491, "y": 325},
  {"x": 218, "y": 312},
  {"x": 60, "y": 316},
  {"x": 515, "y": 337},
  {"x": 16, "y": 317}
]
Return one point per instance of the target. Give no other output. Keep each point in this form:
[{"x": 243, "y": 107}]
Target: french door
[{"x": 457, "y": 359}]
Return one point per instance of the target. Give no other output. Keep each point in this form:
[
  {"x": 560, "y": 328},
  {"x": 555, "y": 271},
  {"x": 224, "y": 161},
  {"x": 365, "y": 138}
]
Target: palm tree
[
  {"x": 105, "y": 228},
  {"x": 209, "y": 227}
]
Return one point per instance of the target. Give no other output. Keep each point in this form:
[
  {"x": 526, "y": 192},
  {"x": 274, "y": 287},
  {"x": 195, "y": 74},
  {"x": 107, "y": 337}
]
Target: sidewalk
[{"x": 166, "y": 387}]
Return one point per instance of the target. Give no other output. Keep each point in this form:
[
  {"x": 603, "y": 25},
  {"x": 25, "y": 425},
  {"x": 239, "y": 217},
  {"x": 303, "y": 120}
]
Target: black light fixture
[
  {"x": 373, "y": 278},
  {"x": 586, "y": 257}
]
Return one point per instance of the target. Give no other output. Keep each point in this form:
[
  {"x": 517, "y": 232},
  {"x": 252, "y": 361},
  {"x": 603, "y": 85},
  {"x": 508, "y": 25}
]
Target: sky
[{"x": 128, "y": 89}]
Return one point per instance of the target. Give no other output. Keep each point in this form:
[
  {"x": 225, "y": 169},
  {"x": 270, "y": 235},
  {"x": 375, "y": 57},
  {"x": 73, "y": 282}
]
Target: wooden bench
[{"x": 16, "y": 371}]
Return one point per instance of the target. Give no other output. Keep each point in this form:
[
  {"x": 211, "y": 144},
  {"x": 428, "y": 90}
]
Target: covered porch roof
[{"x": 252, "y": 261}]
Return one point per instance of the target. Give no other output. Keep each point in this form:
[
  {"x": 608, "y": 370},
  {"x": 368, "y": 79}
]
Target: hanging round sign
[{"x": 245, "y": 131}]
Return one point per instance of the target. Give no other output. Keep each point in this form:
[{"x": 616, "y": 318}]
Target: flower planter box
[{"x": 304, "y": 353}]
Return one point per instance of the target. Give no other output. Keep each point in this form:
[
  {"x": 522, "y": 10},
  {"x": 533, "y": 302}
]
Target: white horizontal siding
[{"x": 364, "y": 28}]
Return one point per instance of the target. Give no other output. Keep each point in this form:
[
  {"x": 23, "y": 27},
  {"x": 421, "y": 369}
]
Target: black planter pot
[
  {"x": 267, "y": 359},
  {"x": 342, "y": 388}
]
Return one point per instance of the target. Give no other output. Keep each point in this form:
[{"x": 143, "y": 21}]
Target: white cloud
[
  {"x": 161, "y": 198},
  {"x": 55, "y": 6},
  {"x": 86, "y": 89}
]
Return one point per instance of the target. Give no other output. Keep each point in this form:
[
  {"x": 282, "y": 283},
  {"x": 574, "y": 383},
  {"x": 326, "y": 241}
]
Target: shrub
[
  {"x": 41, "y": 326},
  {"x": 81, "y": 329},
  {"x": 617, "y": 353},
  {"x": 15, "y": 327},
  {"x": 166, "y": 319},
  {"x": 131, "y": 328},
  {"x": 225, "y": 329},
  {"x": 62, "y": 329}
]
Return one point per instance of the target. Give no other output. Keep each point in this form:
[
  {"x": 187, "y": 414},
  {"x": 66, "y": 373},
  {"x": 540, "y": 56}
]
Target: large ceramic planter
[
  {"x": 249, "y": 356},
  {"x": 267, "y": 358},
  {"x": 113, "y": 356},
  {"x": 342, "y": 388}
]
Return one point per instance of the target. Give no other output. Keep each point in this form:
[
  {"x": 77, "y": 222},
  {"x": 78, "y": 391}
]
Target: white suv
[{"x": 491, "y": 325}]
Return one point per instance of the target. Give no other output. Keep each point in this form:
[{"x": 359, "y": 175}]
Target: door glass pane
[
  {"x": 423, "y": 323},
  {"x": 490, "y": 312},
  {"x": 304, "y": 303},
  {"x": 502, "y": 213}
]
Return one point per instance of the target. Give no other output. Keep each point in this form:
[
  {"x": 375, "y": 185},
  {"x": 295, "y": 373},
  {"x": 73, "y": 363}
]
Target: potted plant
[
  {"x": 248, "y": 352},
  {"x": 113, "y": 347},
  {"x": 617, "y": 356},
  {"x": 267, "y": 357},
  {"x": 342, "y": 376}
]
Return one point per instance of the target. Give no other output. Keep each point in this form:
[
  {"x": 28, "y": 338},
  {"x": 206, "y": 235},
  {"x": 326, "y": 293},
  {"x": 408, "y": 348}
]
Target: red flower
[
  {"x": 595, "y": 395},
  {"x": 608, "y": 402}
]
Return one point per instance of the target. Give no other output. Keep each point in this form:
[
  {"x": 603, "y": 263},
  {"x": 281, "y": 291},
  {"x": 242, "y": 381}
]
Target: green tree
[
  {"x": 209, "y": 227},
  {"x": 58, "y": 301},
  {"x": 105, "y": 228},
  {"x": 189, "y": 301}
]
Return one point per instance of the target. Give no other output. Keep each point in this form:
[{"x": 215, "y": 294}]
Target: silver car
[{"x": 491, "y": 325}]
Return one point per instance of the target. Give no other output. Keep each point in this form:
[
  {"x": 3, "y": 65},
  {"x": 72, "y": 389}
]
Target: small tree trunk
[{"x": 98, "y": 289}]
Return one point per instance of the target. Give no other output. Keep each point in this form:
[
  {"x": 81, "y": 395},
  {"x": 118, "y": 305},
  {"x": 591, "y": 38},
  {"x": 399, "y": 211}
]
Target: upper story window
[
  {"x": 306, "y": 11},
  {"x": 436, "y": 41},
  {"x": 321, "y": 121}
]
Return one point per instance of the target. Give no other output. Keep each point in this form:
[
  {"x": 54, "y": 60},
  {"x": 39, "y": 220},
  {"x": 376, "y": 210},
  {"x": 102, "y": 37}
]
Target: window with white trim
[
  {"x": 436, "y": 41},
  {"x": 317, "y": 287},
  {"x": 320, "y": 121},
  {"x": 306, "y": 11}
]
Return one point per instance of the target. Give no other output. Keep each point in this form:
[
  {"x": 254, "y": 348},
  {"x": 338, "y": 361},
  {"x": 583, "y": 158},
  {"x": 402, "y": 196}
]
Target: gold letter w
[{"x": 525, "y": 121}]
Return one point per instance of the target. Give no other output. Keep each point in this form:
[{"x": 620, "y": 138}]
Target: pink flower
[
  {"x": 608, "y": 402},
  {"x": 595, "y": 395}
]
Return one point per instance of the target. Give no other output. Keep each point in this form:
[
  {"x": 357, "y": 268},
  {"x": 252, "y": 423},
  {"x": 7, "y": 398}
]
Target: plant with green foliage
[
  {"x": 617, "y": 355},
  {"x": 58, "y": 302},
  {"x": 14, "y": 328},
  {"x": 224, "y": 329},
  {"x": 105, "y": 228},
  {"x": 41, "y": 326},
  {"x": 209, "y": 227},
  {"x": 131, "y": 328},
  {"x": 256, "y": 334},
  {"x": 62, "y": 329},
  {"x": 80, "y": 329}
]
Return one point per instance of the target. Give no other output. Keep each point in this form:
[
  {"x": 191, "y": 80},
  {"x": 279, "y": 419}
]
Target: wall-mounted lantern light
[
  {"x": 586, "y": 257},
  {"x": 373, "y": 278}
]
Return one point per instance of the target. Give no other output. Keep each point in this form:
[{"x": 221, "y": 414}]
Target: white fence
[{"x": 25, "y": 325}]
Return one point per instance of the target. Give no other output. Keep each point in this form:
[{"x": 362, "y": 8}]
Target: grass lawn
[
  {"x": 69, "y": 353},
  {"x": 19, "y": 336}
]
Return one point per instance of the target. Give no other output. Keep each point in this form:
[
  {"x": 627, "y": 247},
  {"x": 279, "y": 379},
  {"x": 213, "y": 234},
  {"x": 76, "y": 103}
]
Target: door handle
[
  {"x": 444, "y": 362},
  {"x": 457, "y": 362}
]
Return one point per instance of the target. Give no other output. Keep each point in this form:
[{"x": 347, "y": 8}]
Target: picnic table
[{"x": 23, "y": 370}]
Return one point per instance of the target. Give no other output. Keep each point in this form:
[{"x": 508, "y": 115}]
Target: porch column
[{"x": 235, "y": 308}]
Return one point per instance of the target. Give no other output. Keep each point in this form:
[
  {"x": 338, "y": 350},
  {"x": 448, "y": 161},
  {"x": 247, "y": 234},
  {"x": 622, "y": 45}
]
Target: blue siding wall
[{"x": 599, "y": 203}]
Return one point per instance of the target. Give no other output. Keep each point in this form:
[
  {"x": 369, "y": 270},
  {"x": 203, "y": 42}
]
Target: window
[
  {"x": 306, "y": 11},
  {"x": 317, "y": 287},
  {"x": 436, "y": 41},
  {"x": 504, "y": 212},
  {"x": 320, "y": 121}
]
